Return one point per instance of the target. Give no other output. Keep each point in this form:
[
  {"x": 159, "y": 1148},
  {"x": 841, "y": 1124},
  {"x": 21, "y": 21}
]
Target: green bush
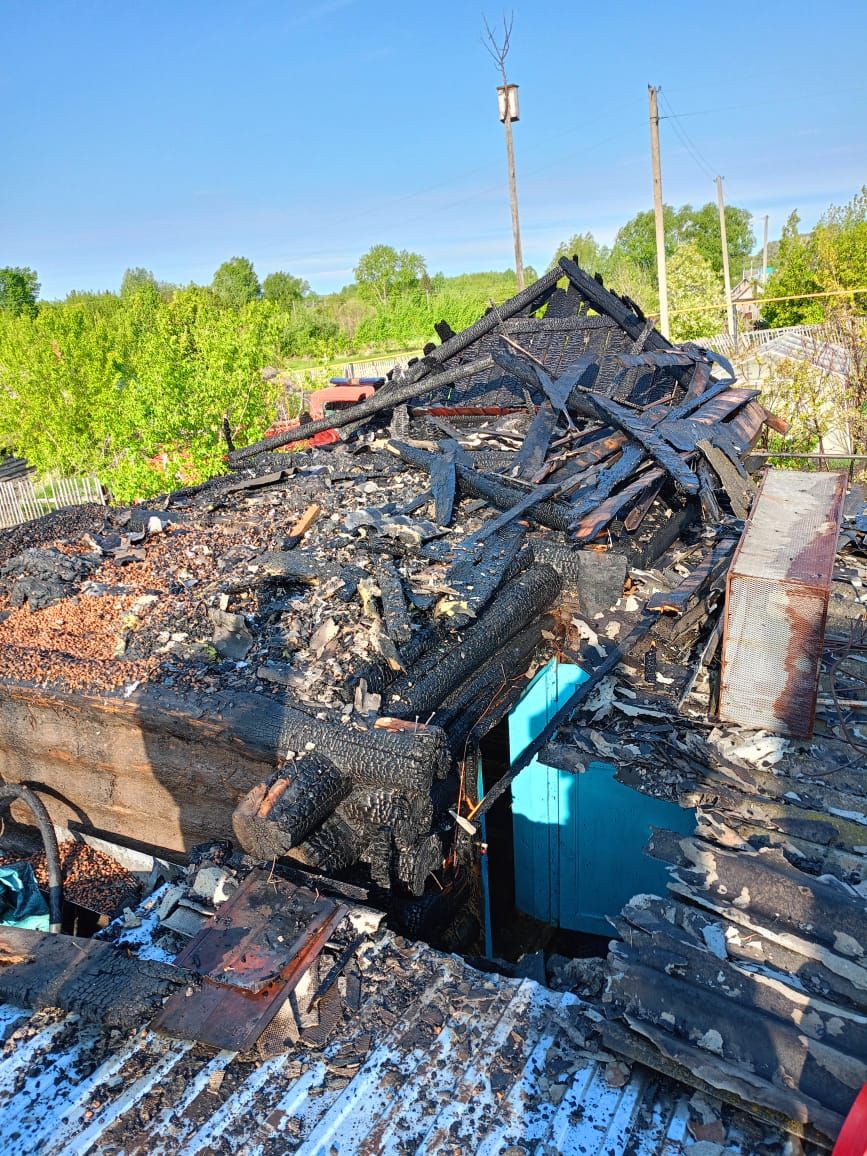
[{"x": 134, "y": 390}]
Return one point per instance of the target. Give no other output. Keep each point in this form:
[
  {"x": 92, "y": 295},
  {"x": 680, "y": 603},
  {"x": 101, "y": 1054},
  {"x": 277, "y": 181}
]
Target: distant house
[{"x": 744, "y": 295}]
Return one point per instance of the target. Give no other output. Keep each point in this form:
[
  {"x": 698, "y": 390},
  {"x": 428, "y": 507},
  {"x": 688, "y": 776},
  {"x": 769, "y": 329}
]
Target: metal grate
[{"x": 777, "y": 602}]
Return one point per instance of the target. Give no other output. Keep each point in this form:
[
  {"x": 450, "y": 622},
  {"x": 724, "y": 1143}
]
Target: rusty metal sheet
[
  {"x": 777, "y": 602},
  {"x": 257, "y": 932},
  {"x": 251, "y": 957}
]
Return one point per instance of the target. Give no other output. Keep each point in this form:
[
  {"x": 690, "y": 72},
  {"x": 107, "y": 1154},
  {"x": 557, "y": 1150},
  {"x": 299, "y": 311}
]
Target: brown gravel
[
  {"x": 91, "y": 878},
  {"x": 45, "y": 531},
  {"x": 75, "y": 641}
]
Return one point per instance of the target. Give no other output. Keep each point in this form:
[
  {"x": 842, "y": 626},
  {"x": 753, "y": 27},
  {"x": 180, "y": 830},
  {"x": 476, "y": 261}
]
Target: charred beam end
[{"x": 273, "y": 818}]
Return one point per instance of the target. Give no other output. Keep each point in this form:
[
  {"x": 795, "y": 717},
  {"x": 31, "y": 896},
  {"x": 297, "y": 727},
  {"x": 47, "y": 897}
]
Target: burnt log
[
  {"x": 276, "y": 816},
  {"x": 521, "y": 600}
]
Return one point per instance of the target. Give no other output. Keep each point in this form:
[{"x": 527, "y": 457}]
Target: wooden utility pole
[
  {"x": 513, "y": 190},
  {"x": 727, "y": 281},
  {"x": 658, "y": 213},
  {"x": 507, "y": 96},
  {"x": 765, "y": 254}
]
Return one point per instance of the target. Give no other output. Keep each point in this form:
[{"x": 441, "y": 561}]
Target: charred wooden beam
[
  {"x": 521, "y": 600},
  {"x": 608, "y": 303},
  {"x": 715, "y": 562},
  {"x": 494, "y": 490}
]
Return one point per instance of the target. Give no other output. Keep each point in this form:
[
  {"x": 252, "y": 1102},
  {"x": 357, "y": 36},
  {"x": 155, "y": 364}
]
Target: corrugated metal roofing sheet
[
  {"x": 826, "y": 355},
  {"x": 476, "y": 1064}
]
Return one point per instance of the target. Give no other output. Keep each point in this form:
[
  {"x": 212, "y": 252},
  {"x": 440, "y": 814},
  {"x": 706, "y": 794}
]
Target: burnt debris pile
[{"x": 374, "y": 607}]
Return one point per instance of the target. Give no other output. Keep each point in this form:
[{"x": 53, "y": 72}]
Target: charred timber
[
  {"x": 499, "y": 493},
  {"x": 524, "y": 598}
]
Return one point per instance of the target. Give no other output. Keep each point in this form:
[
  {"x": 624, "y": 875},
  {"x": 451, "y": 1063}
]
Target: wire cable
[{"x": 690, "y": 146}]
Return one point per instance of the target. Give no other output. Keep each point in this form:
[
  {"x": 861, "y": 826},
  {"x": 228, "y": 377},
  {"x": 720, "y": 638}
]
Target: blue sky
[{"x": 174, "y": 135}]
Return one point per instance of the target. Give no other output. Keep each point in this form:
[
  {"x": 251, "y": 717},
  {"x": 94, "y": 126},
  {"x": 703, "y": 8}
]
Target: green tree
[
  {"x": 700, "y": 227},
  {"x": 19, "y": 289},
  {"x": 636, "y": 240},
  {"x": 831, "y": 260},
  {"x": 383, "y": 272},
  {"x": 284, "y": 289},
  {"x": 135, "y": 279},
  {"x": 695, "y": 291},
  {"x": 840, "y": 246},
  {"x": 795, "y": 272},
  {"x": 590, "y": 255},
  {"x": 235, "y": 283}
]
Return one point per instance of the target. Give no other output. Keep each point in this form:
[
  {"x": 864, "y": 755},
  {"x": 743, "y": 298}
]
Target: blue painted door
[{"x": 579, "y": 838}]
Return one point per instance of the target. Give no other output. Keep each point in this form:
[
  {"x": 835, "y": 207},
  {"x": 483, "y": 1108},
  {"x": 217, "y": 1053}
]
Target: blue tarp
[{"x": 21, "y": 902}]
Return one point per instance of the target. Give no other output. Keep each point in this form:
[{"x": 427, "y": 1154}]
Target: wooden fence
[{"x": 23, "y": 499}]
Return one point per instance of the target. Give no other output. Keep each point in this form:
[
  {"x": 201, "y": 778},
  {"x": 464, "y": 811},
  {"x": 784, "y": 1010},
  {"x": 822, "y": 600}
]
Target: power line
[
  {"x": 686, "y": 139},
  {"x": 761, "y": 103},
  {"x": 767, "y": 300}
]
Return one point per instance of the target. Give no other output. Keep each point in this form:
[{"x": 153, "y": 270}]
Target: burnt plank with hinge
[
  {"x": 586, "y": 529},
  {"x": 443, "y": 480},
  {"x": 715, "y": 562}
]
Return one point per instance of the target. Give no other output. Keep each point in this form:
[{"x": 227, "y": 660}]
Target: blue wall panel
[{"x": 579, "y": 838}]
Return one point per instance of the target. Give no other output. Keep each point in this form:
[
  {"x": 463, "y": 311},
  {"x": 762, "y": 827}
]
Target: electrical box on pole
[{"x": 507, "y": 98}]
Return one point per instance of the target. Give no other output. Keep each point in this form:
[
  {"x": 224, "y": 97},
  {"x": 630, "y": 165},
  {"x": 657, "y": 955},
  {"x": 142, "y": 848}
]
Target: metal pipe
[{"x": 10, "y": 791}]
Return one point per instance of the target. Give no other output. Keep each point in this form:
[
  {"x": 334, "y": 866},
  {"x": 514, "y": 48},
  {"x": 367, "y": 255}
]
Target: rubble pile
[
  {"x": 391, "y": 595},
  {"x": 556, "y": 481}
]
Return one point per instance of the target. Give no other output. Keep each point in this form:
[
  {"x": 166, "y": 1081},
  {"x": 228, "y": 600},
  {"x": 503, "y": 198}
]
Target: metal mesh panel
[
  {"x": 777, "y": 602},
  {"x": 773, "y": 644}
]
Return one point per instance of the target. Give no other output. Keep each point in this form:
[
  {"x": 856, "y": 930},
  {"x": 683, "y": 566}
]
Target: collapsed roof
[{"x": 556, "y": 480}]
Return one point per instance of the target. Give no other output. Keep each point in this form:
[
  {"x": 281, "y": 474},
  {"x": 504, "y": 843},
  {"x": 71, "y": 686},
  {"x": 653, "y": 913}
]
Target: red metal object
[
  {"x": 338, "y": 396},
  {"x": 326, "y": 437},
  {"x": 251, "y": 956},
  {"x": 852, "y": 1140},
  {"x": 318, "y": 405}
]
